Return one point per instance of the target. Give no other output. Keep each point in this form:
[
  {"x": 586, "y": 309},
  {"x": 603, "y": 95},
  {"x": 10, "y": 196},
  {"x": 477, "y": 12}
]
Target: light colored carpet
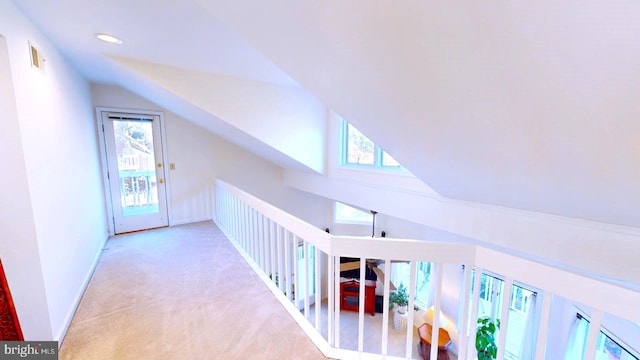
[
  {"x": 372, "y": 339},
  {"x": 180, "y": 293}
]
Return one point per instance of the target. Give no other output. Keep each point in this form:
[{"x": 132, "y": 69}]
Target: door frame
[{"x": 103, "y": 160}]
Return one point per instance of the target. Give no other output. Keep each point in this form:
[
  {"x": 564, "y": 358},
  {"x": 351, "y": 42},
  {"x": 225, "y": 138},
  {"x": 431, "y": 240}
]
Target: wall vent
[{"x": 37, "y": 61}]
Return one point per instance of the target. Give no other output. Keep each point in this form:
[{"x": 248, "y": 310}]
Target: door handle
[{"x": 160, "y": 181}]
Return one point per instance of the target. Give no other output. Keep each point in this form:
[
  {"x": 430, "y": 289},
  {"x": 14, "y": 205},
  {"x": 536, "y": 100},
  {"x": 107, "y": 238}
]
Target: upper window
[{"x": 359, "y": 150}]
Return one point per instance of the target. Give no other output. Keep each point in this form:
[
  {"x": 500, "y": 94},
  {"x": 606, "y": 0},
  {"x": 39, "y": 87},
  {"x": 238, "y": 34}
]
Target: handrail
[{"x": 600, "y": 295}]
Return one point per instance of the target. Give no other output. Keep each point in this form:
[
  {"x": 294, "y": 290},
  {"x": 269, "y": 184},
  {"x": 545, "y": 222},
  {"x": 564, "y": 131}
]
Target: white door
[{"x": 133, "y": 145}]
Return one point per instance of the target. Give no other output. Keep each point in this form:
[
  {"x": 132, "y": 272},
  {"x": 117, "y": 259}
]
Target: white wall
[
  {"x": 62, "y": 169},
  {"x": 570, "y": 241},
  {"x": 501, "y": 103},
  {"x": 18, "y": 244},
  {"x": 200, "y": 157}
]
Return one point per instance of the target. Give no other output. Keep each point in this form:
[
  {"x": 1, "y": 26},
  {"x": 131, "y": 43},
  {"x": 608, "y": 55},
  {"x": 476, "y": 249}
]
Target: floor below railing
[{"x": 373, "y": 333}]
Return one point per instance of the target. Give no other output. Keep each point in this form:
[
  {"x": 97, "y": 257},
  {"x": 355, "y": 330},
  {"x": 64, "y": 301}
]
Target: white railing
[{"x": 274, "y": 242}]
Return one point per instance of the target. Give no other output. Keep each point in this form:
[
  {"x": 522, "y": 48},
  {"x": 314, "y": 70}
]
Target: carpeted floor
[{"x": 180, "y": 293}]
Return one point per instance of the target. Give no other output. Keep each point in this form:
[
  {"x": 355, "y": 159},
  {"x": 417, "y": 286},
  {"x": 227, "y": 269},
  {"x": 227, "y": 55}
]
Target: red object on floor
[
  {"x": 350, "y": 297},
  {"x": 9, "y": 325}
]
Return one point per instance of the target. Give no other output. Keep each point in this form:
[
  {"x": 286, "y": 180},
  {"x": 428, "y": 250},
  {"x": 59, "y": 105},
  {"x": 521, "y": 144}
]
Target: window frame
[
  {"x": 423, "y": 268},
  {"x": 336, "y": 220},
  {"x": 582, "y": 316},
  {"x": 378, "y": 152},
  {"x": 423, "y": 300}
]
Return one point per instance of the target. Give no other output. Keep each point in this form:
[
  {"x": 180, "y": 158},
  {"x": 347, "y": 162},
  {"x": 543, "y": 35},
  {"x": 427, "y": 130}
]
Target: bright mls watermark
[{"x": 42, "y": 350}]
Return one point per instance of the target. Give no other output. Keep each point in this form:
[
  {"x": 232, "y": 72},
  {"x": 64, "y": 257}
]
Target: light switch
[{"x": 172, "y": 166}]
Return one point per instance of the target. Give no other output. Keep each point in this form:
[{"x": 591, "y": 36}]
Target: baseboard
[
  {"x": 61, "y": 334},
  {"x": 190, "y": 221}
]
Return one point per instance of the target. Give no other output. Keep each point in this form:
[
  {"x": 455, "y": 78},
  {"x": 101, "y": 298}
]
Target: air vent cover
[{"x": 37, "y": 60}]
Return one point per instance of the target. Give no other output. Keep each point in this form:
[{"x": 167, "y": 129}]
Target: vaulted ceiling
[{"x": 528, "y": 105}]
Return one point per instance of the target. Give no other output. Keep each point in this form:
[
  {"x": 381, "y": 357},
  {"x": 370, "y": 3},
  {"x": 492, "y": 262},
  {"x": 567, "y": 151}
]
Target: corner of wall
[{"x": 62, "y": 331}]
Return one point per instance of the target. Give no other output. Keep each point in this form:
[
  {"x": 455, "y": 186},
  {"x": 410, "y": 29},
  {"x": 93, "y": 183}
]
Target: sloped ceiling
[
  {"x": 530, "y": 105},
  {"x": 287, "y": 119},
  {"x": 153, "y": 90},
  {"x": 176, "y": 33},
  {"x": 177, "y": 56}
]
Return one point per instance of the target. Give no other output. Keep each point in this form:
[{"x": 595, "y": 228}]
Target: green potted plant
[
  {"x": 400, "y": 297},
  {"x": 486, "y": 338}
]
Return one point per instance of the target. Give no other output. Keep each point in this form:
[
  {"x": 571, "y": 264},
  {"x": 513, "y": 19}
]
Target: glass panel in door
[
  {"x": 136, "y": 172},
  {"x": 136, "y": 167}
]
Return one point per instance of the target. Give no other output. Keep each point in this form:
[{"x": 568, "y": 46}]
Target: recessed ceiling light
[{"x": 109, "y": 38}]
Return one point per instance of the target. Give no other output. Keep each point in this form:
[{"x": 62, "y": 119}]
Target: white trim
[
  {"x": 473, "y": 319},
  {"x": 103, "y": 160},
  {"x": 190, "y": 221},
  {"x": 593, "y": 333},
  {"x": 387, "y": 170},
  {"x": 336, "y": 301},
  {"x": 437, "y": 309},
  {"x": 504, "y": 316},
  {"x": 78, "y": 298},
  {"x": 543, "y": 326},
  {"x": 361, "y": 298},
  {"x": 413, "y": 277},
  {"x": 105, "y": 172},
  {"x": 463, "y": 319},
  {"x": 165, "y": 169},
  {"x": 385, "y": 307}
]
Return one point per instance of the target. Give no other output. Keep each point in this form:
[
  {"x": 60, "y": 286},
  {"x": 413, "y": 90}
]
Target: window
[
  {"x": 522, "y": 313},
  {"x": 346, "y": 214},
  {"x": 423, "y": 284},
  {"x": 607, "y": 348},
  {"x": 359, "y": 150},
  {"x": 402, "y": 275},
  {"x": 520, "y": 298}
]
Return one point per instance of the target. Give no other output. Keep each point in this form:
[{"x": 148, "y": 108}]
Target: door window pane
[{"x": 136, "y": 167}]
